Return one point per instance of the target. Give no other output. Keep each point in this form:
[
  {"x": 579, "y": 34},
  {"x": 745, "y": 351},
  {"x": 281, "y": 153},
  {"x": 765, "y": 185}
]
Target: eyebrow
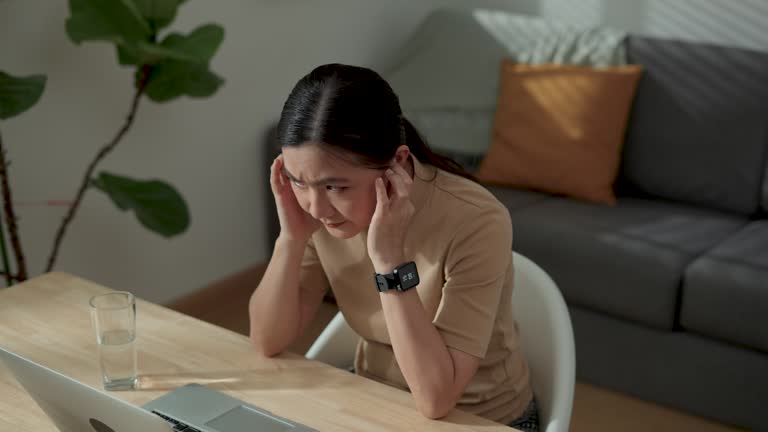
[{"x": 323, "y": 181}]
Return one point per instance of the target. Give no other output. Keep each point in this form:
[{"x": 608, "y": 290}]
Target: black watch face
[{"x": 408, "y": 276}]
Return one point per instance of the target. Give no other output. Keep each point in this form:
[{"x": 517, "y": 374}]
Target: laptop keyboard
[{"x": 177, "y": 425}]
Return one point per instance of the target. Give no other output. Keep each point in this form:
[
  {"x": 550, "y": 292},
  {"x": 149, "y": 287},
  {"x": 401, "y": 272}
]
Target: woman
[{"x": 417, "y": 254}]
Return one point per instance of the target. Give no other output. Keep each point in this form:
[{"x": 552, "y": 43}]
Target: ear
[{"x": 401, "y": 155}]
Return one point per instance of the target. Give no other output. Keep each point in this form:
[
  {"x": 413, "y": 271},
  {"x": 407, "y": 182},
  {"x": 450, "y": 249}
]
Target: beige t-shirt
[{"x": 461, "y": 240}]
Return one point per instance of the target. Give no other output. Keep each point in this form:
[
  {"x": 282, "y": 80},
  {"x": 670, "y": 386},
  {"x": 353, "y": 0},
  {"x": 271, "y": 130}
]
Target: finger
[
  {"x": 278, "y": 178},
  {"x": 281, "y": 171},
  {"x": 275, "y": 176},
  {"x": 401, "y": 170},
  {"x": 382, "y": 200},
  {"x": 398, "y": 184},
  {"x": 407, "y": 180}
]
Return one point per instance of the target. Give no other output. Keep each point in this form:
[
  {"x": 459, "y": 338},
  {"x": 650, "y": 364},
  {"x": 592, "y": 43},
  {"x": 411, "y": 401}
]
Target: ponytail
[{"x": 421, "y": 150}]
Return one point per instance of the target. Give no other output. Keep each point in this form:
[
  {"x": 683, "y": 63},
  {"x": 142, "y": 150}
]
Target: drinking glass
[{"x": 114, "y": 319}]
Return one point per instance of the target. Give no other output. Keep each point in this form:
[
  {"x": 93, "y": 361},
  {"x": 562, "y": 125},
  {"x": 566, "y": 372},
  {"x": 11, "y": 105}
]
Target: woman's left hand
[{"x": 391, "y": 219}]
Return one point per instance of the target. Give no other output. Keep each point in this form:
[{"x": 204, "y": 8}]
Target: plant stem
[
  {"x": 10, "y": 218},
  {"x": 141, "y": 84},
  {"x": 6, "y": 269}
]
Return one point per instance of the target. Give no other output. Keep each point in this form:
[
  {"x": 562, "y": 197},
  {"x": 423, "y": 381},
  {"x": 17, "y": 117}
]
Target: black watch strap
[{"x": 403, "y": 278}]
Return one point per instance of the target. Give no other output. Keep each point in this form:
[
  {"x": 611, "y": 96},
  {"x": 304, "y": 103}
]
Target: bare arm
[
  {"x": 436, "y": 374},
  {"x": 279, "y": 308}
]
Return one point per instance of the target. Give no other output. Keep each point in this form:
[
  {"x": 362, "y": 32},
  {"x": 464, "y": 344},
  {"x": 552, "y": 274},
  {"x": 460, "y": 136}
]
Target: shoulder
[
  {"x": 468, "y": 200},
  {"x": 462, "y": 217}
]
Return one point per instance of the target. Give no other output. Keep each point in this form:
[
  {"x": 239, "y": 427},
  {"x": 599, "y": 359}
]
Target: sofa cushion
[
  {"x": 560, "y": 128},
  {"x": 725, "y": 293},
  {"x": 516, "y": 199},
  {"x": 697, "y": 131},
  {"x": 627, "y": 261}
]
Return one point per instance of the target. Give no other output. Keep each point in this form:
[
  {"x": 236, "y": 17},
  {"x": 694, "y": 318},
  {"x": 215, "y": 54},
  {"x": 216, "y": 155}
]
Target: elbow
[
  {"x": 435, "y": 406},
  {"x": 264, "y": 347},
  {"x": 263, "y": 340}
]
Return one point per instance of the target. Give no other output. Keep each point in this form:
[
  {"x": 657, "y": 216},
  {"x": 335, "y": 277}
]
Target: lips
[{"x": 334, "y": 225}]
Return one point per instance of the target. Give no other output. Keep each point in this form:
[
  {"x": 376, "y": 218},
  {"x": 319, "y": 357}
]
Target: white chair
[
  {"x": 546, "y": 336},
  {"x": 547, "y": 341},
  {"x": 336, "y": 345}
]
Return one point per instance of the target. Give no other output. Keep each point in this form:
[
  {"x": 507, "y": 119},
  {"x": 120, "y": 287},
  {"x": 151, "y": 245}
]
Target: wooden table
[{"x": 47, "y": 320}]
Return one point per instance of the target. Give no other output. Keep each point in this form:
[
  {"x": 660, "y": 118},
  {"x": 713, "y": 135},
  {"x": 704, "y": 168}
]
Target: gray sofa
[{"x": 668, "y": 290}]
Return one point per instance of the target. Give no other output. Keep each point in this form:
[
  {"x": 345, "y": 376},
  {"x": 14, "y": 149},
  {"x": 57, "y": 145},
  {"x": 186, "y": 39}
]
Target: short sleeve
[
  {"x": 475, "y": 271},
  {"x": 312, "y": 277}
]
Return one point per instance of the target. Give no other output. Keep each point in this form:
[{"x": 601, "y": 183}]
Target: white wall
[{"x": 210, "y": 149}]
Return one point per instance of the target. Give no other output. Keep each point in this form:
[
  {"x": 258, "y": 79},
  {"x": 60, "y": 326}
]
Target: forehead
[{"x": 311, "y": 162}]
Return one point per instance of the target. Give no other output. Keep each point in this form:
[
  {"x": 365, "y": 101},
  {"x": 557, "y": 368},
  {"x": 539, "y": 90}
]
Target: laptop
[{"x": 76, "y": 407}]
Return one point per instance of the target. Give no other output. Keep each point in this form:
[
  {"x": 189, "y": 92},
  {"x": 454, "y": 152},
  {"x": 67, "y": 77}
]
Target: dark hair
[{"x": 354, "y": 109}]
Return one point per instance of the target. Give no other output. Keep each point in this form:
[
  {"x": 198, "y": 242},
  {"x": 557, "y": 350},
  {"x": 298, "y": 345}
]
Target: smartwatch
[{"x": 401, "y": 279}]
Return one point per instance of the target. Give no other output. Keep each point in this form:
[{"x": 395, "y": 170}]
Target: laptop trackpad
[{"x": 244, "y": 419}]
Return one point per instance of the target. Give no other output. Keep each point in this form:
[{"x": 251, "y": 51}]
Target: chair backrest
[
  {"x": 336, "y": 344},
  {"x": 547, "y": 342}
]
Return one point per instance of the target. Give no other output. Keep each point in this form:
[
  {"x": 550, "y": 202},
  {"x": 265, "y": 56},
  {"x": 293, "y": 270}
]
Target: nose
[{"x": 319, "y": 206}]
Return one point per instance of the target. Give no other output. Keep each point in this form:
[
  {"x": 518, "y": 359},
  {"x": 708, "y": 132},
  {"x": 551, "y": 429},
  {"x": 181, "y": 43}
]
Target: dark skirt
[{"x": 529, "y": 420}]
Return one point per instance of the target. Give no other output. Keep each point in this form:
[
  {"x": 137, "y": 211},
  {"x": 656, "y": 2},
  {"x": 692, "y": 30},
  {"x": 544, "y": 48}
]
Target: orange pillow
[{"x": 559, "y": 129}]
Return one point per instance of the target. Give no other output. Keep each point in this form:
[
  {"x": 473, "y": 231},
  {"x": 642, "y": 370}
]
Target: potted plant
[{"x": 167, "y": 66}]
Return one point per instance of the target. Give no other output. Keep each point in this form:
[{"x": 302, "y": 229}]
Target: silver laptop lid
[{"x": 76, "y": 407}]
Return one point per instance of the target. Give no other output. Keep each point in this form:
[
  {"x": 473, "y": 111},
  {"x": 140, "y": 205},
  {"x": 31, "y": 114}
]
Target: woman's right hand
[{"x": 295, "y": 223}]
